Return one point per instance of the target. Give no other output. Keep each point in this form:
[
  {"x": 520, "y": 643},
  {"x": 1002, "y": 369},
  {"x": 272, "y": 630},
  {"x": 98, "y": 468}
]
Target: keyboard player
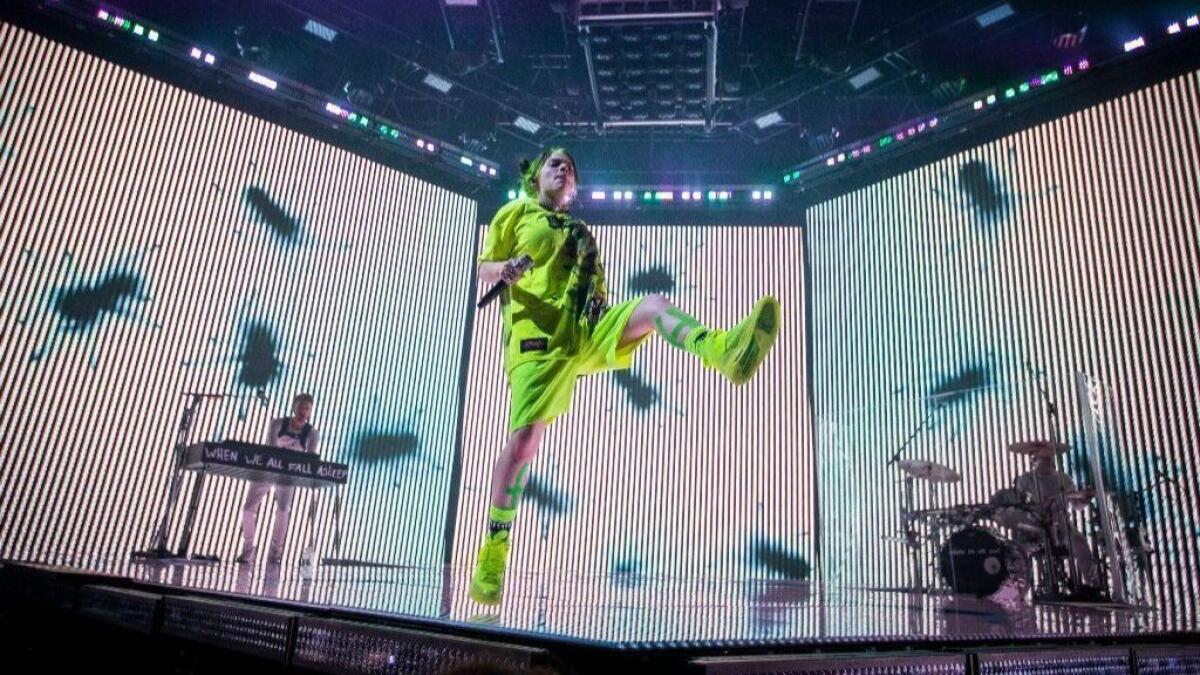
[{"x": 294, "y": 432}]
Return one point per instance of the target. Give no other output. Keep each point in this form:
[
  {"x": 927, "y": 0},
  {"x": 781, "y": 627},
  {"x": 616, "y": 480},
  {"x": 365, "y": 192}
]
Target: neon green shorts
[{"x": 541, "y": 390}]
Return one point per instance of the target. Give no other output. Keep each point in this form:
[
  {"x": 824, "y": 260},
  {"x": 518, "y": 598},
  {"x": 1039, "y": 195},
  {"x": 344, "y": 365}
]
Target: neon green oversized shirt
[{"x": 546, "y": 312}]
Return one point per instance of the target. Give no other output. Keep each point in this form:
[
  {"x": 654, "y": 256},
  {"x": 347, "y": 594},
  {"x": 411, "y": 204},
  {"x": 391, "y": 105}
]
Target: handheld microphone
[{"x": 521, "y": 265}]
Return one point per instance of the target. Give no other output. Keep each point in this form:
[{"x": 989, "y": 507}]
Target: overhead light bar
[
  {"x": 137, "y": 29},
  {"x": 301, "y": 96},
  {"x": 657, "y": 196},
  {"x": 985, "y": 102},
  {"x": 263, "y": 80}
]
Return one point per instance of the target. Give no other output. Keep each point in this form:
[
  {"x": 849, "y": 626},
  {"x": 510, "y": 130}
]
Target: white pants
[{"x": 283, "y": 515}]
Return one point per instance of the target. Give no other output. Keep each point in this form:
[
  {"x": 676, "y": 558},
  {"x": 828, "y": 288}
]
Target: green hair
[{"x": 530, "y": 169}]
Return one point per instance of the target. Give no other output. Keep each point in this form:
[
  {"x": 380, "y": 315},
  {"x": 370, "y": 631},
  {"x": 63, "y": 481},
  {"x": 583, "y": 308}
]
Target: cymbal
[
  {"x": 930, "y": 471},
  {"x": 1038, "y": 448}
]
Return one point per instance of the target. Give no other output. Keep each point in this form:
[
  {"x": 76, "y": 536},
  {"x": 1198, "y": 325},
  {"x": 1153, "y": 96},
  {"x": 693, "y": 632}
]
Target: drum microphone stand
[
  {"x": 907, "y": 506},
  {"x": 158, "y": 550}
]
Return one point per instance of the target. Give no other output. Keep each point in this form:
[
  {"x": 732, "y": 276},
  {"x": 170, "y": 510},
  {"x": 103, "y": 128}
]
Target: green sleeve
[{"x": 501, "y": 240}]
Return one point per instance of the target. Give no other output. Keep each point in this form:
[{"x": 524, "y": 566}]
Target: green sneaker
[
  {"x": 487, "y": 584},
  {"x": 740, "y": 350}
]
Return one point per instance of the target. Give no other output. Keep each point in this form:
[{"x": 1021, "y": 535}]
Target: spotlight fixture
[
  {"x": 527, "y": 125},
  {"x": 865, "y": 77},
  {"x": 994, "y": 15},
  {"x": 320, "y": 30},
  {"x": 770, "y": 119},
  {"x": 438, "y": 83}
]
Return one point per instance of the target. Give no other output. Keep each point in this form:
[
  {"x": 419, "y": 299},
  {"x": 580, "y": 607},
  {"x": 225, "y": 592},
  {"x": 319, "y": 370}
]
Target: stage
[
  {"x": 339, "y": 618},
  {"x": 866, "y": 346}
]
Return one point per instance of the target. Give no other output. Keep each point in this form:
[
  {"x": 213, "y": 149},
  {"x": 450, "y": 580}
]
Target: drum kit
[{"x": 993, "y": 548}]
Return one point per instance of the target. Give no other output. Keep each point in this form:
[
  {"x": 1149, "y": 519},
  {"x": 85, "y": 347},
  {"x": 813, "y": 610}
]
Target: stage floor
[{"x": 647, "y": 612}]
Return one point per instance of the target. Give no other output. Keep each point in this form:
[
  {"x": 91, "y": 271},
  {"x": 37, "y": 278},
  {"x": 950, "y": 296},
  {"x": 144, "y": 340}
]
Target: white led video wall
[
  {"x": 951, "y": 295},
  {"x": 155, "y": 243},
  {"x": 667, "y": 469}
]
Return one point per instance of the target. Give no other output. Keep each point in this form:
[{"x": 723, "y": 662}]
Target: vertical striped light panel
[
  {"x": 667, "y": 469},
  {"x": 155, "y": 242},
  {"x": 1068, "y": 247}
]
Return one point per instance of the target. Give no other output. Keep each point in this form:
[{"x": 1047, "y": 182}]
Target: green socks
[
  {"x": 500, "y": 520},
  {"x": 685, "y": 332}
]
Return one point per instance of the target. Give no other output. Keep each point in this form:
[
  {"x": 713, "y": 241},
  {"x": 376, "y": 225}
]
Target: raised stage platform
[{"x": 335, "y": 618}]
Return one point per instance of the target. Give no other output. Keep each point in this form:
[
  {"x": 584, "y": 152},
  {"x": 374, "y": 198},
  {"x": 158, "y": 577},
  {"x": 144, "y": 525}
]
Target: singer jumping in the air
[{"x": 558, "y": 326}]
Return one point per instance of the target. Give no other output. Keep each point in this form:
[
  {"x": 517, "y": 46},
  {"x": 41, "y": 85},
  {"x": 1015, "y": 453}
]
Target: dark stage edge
[{"x": 372, "y": 620}]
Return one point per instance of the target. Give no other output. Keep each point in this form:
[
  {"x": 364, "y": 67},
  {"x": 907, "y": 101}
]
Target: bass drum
[{"x": 973, "y": 560}]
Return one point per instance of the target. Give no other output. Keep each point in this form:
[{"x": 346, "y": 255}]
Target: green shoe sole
[
  {"x": 484, "y": 596},
  {"x": 754, "y": 345}
]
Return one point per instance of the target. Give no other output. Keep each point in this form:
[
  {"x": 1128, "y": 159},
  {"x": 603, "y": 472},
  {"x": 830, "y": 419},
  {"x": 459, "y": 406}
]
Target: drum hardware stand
[
  {"x": 906, "y": 508},
  {"x": 1142, "y": 550},
  {"x": 909, "y": 532}
]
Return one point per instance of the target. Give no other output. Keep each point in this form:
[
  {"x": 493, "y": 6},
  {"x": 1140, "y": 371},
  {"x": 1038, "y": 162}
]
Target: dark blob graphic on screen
[
  {"x": 653, "y": 280},
  {"x": 625, "y": 571},
  {"x": 641, "y": 395},
  {"x": 780, "y": 561},
  {"x": 544, "y": 497},
  {"x": 266, "y": 211},
  {"x": 82, "y": 306},
  {"x": 381, "y": 446},
  {"x": 958, "y": 388},
  {"x": 258, "y": 364},
  {"x": 983, "y": 191}
]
